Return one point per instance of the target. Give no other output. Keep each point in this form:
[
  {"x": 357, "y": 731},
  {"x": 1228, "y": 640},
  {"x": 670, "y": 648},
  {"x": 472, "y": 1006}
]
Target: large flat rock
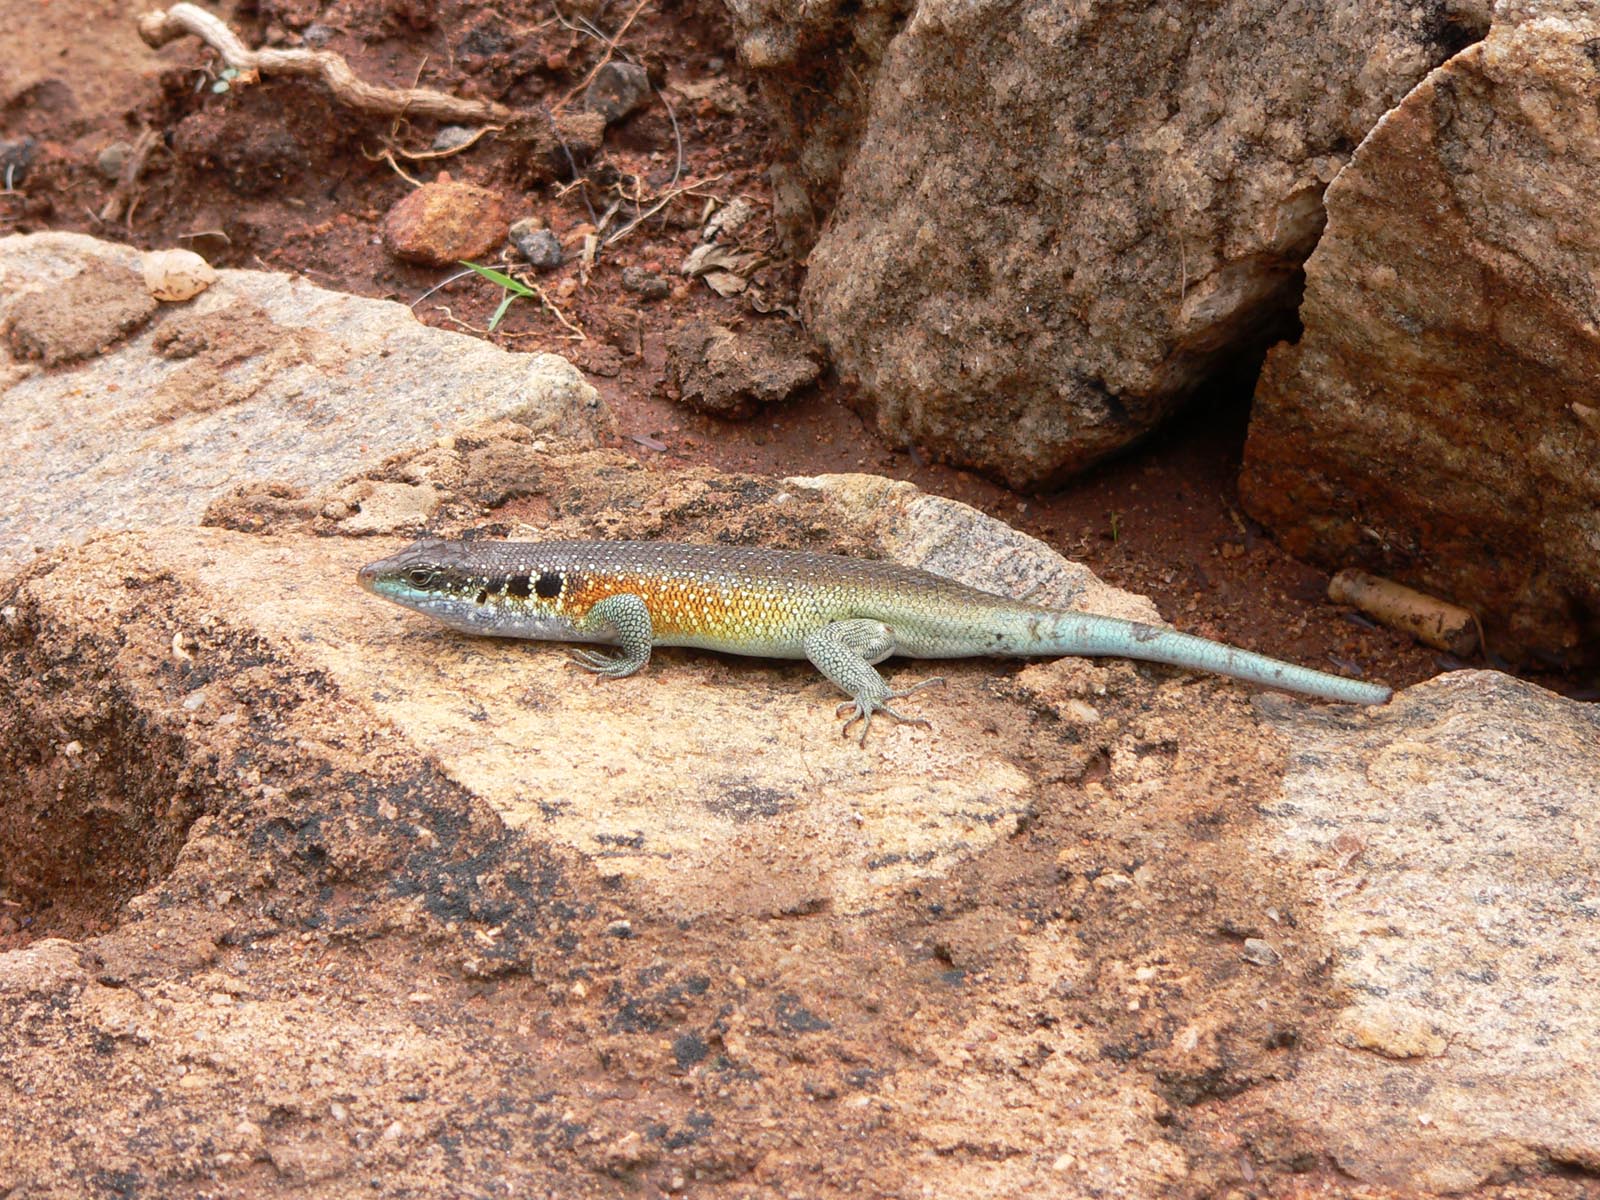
[
  {"x": 366, "y": 907},
  {"x": 148, "y": 418},
  {"x": 696, "y": 763},
  {"x": 1456, "y": 875}
]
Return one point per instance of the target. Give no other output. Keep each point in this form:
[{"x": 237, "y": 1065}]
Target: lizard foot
[
  {"x": 607, "y": 666},
  {"x": 863, "y": 709}
]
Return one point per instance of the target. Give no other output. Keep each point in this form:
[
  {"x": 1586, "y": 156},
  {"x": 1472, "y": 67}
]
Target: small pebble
[
  {"x": 445, "y": 221},
  {"x": 537, "y": 244},
  {"x": 617, "y": 90},
  {"x": 177, "y": 274},
  {"x": 15, "y": 159},
  {"x": 620, "y": 929},
  {"x": 110, "y": 160},
  {"x": 1260, "y": 952},
  {"x": 647, "y": 284},
  {"x": 452, "y": 137}
]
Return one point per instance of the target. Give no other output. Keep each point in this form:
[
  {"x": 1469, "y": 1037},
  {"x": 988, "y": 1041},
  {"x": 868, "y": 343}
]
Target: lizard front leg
[
  {"x": 627, "y": 616},
  {"x": 846, "y": 651}
]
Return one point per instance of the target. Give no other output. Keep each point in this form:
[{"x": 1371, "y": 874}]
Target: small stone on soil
[
  {"x": 443, "y": 222},
  {"x": 15, "y": 159},
  {"x": 647, "y": 284},
  {"x": 728, "y": 374},
  {"x": 617, "y": 90},
  {"x": 1260, "y": 952},
  {"x": 453, "y": 137},
  {"x": 537, "y": 244},
  {"x": 109, "y": 161}
]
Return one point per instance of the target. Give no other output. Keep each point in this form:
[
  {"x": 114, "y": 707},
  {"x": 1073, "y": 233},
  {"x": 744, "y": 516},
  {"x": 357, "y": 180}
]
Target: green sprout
[{"x": 513, "y": 289}]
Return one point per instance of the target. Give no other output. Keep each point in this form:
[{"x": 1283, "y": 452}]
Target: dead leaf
[
  {"x": 708, "y": 257},
  {"x": 725, "y": 283}
]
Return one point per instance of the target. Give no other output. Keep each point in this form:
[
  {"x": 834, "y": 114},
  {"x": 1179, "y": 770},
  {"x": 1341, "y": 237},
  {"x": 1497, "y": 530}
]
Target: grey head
[{"x": 472, "y": 592}]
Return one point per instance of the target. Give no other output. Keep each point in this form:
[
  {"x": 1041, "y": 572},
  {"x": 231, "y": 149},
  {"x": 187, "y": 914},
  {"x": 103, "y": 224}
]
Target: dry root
[{"x": 182, "y": 20}]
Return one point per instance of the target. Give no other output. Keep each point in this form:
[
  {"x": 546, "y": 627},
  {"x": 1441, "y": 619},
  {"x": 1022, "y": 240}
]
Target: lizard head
[{"x": 467, "y": 588}]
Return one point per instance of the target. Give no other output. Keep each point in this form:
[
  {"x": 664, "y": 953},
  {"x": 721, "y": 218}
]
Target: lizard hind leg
[
  {"x": 627, "y": 617},
  {"x": 845, "y": 652}
]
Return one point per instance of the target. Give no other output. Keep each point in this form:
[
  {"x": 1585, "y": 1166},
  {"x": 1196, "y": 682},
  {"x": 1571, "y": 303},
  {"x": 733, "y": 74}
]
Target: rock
[
  {"x": 545, "y": 740},
  {"x": 15, "y": 159},
  {"x": 83, "y": 312},
  {"x": 176, "y": 275},
  {"x": 262, "y": 376},
  {"x": 1392, "y": 1030},
  {"x": 794, "y": 217},
  {"x": 1465, "y": 936},
  {"x": 392, "y": 508},
  {"x": 109, "y": 162},
  {"x": 46, "y": 968},
  {"x": 734, "y": 375},
  {"x": 1437, "y": 421},
  {"x": 453, "y": 137},
  {"x": 616, "y": 90},
  {"x": 444, "y": 222},
  {"x": 385, "y": 871},
  {"x": 1260, "y": 952},
  {"x": 537, "y": 244},
  {"x": 647, "y": 285},
  {"x": 1114, "y": 204}
]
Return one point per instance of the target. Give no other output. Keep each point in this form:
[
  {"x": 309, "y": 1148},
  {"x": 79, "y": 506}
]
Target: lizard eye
[{"x": 420, "y": 577}]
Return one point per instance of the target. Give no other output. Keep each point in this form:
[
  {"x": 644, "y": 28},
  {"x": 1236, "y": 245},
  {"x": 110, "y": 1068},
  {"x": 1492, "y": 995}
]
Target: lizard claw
[
  {"x": 607, "y": 666},
  {"x": 863, "y": 709}
]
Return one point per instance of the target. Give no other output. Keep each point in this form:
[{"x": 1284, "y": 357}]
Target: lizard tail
[{"x": 1092, "y": 636}]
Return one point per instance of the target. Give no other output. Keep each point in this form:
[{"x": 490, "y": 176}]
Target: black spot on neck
[
  {"x": 547, "y": 586},
  {"x": 518, "y": 587}
]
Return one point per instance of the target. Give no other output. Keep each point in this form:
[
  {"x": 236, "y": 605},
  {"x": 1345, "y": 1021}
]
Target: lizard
[{"x": 843, "y": 614}]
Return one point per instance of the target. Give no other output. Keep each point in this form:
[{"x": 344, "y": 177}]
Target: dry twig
[
  {"x": 387, "y": 155},
  {"x": 121, "y": 201},
  {"x": 578, "y": 334},
  {"x": 181, "y": 20},
  {"x": 666, "y": 198},
  {"x": 467, "y": 144}
]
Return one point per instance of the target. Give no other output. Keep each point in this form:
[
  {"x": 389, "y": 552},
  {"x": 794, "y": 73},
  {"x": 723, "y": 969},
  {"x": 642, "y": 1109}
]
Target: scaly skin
[{"x": 843, "y": 614}]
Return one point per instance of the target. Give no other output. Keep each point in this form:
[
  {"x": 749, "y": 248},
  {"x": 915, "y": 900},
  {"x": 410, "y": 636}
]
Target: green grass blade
[
  {"x": 505, "y": 303},
  {"x": 500, "y": 277}
]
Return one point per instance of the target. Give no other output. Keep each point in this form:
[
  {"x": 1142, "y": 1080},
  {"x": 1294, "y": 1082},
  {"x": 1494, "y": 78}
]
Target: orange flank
[{"x": 678, "y": 607}]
